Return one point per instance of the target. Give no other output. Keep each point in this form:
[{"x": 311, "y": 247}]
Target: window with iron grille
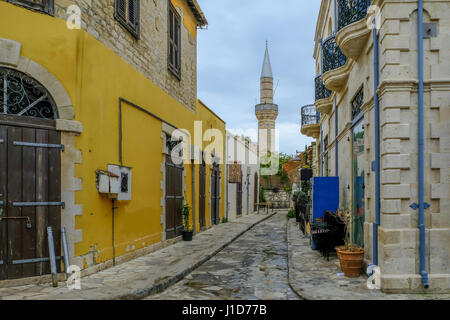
[
  {"x": 357, "y": 103},
  {"x": 127, "y": 13},
  {"x": 46, "y": 6},
  {"x": 174, "y": 55}
]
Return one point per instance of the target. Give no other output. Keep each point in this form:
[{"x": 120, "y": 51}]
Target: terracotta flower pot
[{"x": 351, "y": 261}]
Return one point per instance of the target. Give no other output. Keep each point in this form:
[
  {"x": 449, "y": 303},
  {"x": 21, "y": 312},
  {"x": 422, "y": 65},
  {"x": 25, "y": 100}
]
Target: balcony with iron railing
[
  {"x": 310, "y": 121},
  {"x": 322, "y": 102},
  {"x": 332, "y": 56},
  {"x": 335, "y": 65},
  {"x": 353, "y": 27}
]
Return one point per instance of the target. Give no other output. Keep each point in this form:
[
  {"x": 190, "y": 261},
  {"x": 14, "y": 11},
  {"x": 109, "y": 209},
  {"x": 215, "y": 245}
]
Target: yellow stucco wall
[{"x": 95, "y": 78}]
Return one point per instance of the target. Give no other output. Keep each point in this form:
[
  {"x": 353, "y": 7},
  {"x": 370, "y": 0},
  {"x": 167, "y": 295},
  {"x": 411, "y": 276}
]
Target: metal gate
[
  {"x": 215, "y": 194},
  {"x": 239, "y": 197},
  {"x": 174, "y": 199},
  {"x": 30, "y": 195},
  {"x": 202, "y": 195}
]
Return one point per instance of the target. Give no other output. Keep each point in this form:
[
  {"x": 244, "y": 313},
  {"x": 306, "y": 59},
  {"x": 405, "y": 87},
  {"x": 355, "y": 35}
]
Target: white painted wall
[{"x": 246, "y": 154}]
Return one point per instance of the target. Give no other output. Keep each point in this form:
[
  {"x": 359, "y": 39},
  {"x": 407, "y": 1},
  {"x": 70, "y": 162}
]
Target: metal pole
[
  {"x": 51, "y": 250},
  {"x": 227, "y": 207},
  {"x": 193, "y": 195},
  {"x": 377, "y": 144},
  {"x": 65, "y": 249},
  {"x": 113, "y": 232},
  {"x": 336, "y": 142}
]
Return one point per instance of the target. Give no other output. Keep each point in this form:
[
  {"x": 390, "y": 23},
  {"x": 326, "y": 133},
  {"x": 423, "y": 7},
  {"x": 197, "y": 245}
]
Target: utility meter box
[
  {"x": 123, "y": 185},
  {"x": 107, "y": 183}
]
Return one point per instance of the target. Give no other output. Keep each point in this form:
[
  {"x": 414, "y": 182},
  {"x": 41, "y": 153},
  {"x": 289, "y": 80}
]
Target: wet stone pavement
[{"x": 254, "y": 267}]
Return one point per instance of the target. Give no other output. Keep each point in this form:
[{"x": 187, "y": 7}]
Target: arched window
[{"x": 22, "y": 95}]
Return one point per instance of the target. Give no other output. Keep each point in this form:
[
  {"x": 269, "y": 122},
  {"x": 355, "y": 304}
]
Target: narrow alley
[{"x": 253, "y": 267}]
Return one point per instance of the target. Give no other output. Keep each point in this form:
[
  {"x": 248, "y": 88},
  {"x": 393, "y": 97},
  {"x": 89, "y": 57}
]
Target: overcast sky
[{"x": 230, "y": 57}]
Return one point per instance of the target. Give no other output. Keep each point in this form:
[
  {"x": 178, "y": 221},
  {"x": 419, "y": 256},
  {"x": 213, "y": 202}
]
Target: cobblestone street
[{"x": 253, "y": 267}]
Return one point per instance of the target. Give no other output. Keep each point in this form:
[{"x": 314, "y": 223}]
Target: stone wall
[
  {"x": 280, "y": 199},
  {"x": 149, "y": 55}
]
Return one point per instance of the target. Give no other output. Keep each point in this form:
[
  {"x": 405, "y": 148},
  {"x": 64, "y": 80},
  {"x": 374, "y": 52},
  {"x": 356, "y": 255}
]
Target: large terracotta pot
[{"x": 351, "y": 261}]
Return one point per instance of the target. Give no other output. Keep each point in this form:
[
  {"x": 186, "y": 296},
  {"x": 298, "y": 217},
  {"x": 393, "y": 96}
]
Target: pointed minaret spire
[
  {"x": 266, "y": 111},
  {"x": 267, "y": 67}
]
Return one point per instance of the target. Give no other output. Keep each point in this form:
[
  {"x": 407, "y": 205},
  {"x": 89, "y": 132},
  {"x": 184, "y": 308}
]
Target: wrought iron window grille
[
  {"x": 172, "y": 144},
  {"x": 357, "y": 103},
  {"x": 22, "y": 95}
]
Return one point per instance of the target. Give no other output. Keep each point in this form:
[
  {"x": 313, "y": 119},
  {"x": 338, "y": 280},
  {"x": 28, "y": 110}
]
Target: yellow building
[{"x": 79, "y": 104}]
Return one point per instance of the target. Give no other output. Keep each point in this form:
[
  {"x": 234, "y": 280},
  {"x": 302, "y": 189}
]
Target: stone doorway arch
[{"x": 10, "y": 57}]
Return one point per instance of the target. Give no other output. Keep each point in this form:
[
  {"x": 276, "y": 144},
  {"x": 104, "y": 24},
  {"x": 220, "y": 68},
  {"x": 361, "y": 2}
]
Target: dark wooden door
[
  {"x": 30, "y": 195},
  {"x": 202, "y": 195},
  {"x": 215, "y": 194},
  {"x": 239, "y": 198},
  {"x": 174, "y": 199}
]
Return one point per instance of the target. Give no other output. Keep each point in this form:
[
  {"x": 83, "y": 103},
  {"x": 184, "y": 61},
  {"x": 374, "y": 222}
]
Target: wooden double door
[
  {"x": 215, "y": 194},
  {"x": 239, "y": 198},
  {"x": 30, "y": 195},
  {"x": 202, "y": 195},
  {"x": 174, "y": 198}
]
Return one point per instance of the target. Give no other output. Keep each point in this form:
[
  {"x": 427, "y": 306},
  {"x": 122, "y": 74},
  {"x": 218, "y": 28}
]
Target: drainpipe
[
  {"x": 336, "y": 142},
  {"x": 421, "y": 205},
  {"x": 193, "y": 195},
  {"x": 226, "y": 175},
  {"x": 321, "y": 150},
  {"x": 321, "y": 133},
  {"x": 377, "y": 143}
]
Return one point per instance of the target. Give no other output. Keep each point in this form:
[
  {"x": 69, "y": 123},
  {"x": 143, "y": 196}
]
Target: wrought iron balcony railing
[
  {"x": 332, "y": 55},
  {"x": 350, "y": 11},
  {"x": 310, "y": 115},
  {"x": 321, "y": 91}
]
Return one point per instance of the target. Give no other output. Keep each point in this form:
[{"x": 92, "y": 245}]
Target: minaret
[{"x": 266, "y": 111}]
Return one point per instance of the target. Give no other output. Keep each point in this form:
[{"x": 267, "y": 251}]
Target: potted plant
[
  {"x": 187, "y": 232},
  {"x": 350, "y": 256}
]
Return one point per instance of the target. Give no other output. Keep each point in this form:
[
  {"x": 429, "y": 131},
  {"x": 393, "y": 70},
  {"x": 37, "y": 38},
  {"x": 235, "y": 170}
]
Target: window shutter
[
  {"x": 174, "y": 42},
  {"x": 121, "y": 9},
  {"x": 133, "y": 13},
  {"x": 49, "y": 6}
]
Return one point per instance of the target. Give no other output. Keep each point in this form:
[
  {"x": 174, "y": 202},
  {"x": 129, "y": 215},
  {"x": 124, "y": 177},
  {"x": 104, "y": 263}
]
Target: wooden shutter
[
  {"x": 127, "y": 13},
  {"x": 133, "y": 14},
  {"x": 121, "y": 9},
  {"x": 49, "y": 6},
  {"x": 174, "y": 59}
]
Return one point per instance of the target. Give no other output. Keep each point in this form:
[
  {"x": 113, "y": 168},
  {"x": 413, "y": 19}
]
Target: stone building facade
[
  {"x": 148, "y": 54},
  {"x": 115, "y": 103},
  {"x": 345, "y": 133}
]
